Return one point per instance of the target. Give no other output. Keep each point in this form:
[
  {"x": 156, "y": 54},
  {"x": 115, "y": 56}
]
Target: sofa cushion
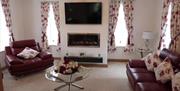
[
  {"x": 147, "y": 57},
  {"x": 135, "y": 63},
  {"x": 176, "y": 82},
  {"x": 30, "y": 64},
  {"x": 152, "y": 61},
  {"x": 164, "y": 71},
  {"x": 13, "y": 60},
  {"x": 16, "y": 51},
  {"x": 149, "y": 86},
  {"x": 136, "y": 70},
  {"x": 143, "y": 77},
  {"x": 28, "y": 53},
  {"x": 174, "y": 57}
]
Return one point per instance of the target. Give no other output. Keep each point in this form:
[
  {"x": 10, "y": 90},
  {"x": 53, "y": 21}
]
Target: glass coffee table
[{"x": 68, "y": 79}]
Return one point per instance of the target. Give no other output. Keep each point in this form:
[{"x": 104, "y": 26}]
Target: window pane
[
  {"x": 121, "y": 33},
  {"x": 4, "y": 32},
  {"x": 167, "y": 37},
  {"x": 52, "y": 33}
]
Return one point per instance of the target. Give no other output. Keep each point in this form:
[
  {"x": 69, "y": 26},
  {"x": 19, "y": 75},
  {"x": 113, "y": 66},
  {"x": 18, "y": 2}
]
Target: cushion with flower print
[
  {"x": 164, "y": 71},
  {"x": 176, "y": 82},
  {"x": 152, "y": 61},
  {"x": 28, "y": 53}
]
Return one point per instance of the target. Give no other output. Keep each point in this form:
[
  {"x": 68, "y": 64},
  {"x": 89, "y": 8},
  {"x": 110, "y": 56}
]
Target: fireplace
[{"x": 85, "y": 40}]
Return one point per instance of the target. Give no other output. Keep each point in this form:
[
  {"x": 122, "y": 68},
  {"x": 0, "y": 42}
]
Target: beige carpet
[{"x": 111, "y": 78}]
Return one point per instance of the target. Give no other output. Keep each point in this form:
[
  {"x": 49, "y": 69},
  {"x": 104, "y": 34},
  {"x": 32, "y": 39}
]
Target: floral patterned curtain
[
  {"x": 166, "y": 4},
  {"x": 175, "y": 25},
  {"x": 6, "y": 9},
  {"x": 128, "y": 11},
  {"x": 44, "y": 21},
  {"x": 113, "y": 17},
  {"x": 55, "y": 5}
]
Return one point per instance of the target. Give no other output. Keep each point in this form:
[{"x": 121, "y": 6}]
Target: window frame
[
  {"x": 49, "y": 26},
  {"x": 121, "y": 21},
  {"x": 4, "y": 31}
]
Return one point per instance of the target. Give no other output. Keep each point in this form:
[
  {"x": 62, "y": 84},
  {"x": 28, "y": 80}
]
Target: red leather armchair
[{"x": 19, "y": 66}]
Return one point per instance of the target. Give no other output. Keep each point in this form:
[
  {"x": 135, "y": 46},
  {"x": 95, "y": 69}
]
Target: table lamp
[{"x": 147, "y": 35}]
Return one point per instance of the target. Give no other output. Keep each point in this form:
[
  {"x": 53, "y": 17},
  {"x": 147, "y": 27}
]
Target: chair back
[{"x": 18, "y": 46}]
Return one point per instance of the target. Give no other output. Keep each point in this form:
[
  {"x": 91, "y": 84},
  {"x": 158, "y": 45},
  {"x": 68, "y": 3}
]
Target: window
[
  {"x": 52, "y": 32},
  {"x": 167, "y": 37},
  {"x": 4, "y": 32},
  {"x": 121, "y": 33}
]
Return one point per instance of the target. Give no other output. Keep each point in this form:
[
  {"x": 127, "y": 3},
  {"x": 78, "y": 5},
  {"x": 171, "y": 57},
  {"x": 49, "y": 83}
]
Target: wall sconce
[{"x": 147, "y": 35}]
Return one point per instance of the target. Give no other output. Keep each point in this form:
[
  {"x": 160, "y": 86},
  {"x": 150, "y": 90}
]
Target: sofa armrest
[
  {"x": 13, "y": 60},
  {"x": 45, "y": 55},
  {"x": 8, "y": 50},
  {"x": 137, "y": 63}
]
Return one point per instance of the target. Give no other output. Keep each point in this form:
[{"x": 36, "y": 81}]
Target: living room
[{"x": 27, "y": 24}]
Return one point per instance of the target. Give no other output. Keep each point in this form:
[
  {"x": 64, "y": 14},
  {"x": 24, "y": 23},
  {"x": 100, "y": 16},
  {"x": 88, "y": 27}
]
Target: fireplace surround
[{"x": 84, "y": 39}]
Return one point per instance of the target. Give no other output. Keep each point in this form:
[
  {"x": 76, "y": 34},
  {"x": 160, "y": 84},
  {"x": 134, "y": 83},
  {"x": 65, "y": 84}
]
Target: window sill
[
  {"x": 2, "y": 51},
  {"x": 52, "y": 45},
  {"x": 120, "y": 46}
]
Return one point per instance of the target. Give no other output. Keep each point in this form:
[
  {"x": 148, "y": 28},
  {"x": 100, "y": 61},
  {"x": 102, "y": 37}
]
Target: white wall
[
  {"x": 2, "y": 58},
  {"x": 16, "y": 7},
  {"x": 17, "y": 24},
  {"x": 32, "y": 27},
  {"x": 102, "y": 29},
  {"x": 158, "y": 18},
  {"x": 26, "y": 20},
  {"x": 145, "y": 19}
]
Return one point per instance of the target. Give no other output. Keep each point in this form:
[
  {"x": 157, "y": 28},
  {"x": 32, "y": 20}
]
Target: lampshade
[{"x": 147, "y": 35}]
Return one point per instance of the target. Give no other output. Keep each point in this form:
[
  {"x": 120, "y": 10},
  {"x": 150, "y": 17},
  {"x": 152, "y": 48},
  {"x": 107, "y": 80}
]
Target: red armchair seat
[{"x": 19, "y": 66}]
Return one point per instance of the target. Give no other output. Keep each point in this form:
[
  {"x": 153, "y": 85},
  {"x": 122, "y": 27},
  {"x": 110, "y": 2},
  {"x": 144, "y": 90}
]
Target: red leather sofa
[
  {"x": 19, "y": 66},
  {"x": 143, "y": 80}
]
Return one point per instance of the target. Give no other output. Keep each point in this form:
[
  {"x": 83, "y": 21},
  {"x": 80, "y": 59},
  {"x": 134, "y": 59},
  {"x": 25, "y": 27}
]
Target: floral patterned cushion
[
  {"x": 147, "y": 56},
  {"x": 164, "y": 71},
  {"x": 176, "y": 82},
  {"x": 152, "y": 61},
  {"x": 28, "y": 53}
]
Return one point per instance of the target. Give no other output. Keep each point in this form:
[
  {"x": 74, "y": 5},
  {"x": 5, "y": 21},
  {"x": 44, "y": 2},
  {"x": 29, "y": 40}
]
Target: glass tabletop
[{"x": 81, "y": 74}]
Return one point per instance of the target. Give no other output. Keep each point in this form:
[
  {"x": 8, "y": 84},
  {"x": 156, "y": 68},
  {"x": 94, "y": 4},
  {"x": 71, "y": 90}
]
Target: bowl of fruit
[{"x": 67, "y": 67}]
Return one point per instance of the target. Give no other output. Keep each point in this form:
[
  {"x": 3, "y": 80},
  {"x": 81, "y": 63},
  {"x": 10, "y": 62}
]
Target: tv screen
[{"x": 83, "y": 13}]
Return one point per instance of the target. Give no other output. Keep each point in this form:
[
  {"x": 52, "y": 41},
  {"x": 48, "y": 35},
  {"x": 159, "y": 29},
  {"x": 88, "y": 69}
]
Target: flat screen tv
[{"x": 83, "y": 13}]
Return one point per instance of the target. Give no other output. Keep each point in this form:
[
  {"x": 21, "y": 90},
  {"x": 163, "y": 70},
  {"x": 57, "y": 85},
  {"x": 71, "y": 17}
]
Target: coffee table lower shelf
[
  {"x": 68, "y": 80},
  {"x": 69, "y": 84}
]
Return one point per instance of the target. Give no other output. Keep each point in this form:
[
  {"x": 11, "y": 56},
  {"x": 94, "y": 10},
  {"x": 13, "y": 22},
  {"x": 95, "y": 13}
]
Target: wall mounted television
[{"x": 83, "y": 12}]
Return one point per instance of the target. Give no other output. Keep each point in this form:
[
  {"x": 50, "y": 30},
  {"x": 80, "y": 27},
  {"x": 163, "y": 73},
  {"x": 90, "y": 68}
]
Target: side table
[{"x": 143, "y": 51}]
